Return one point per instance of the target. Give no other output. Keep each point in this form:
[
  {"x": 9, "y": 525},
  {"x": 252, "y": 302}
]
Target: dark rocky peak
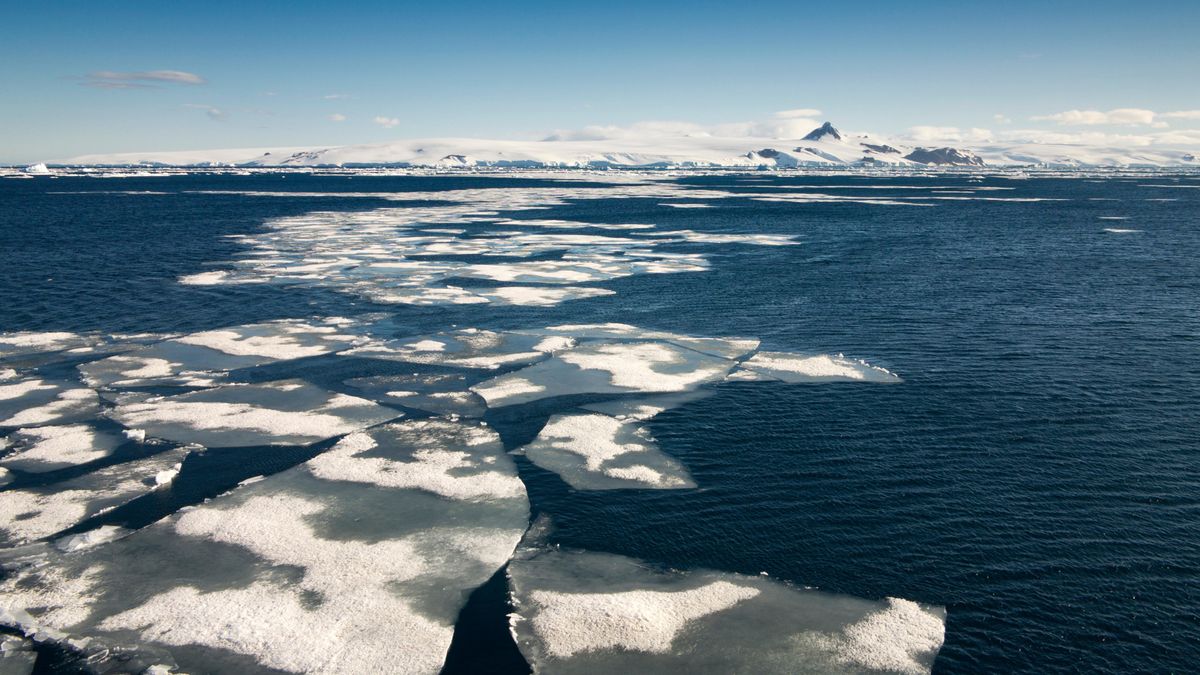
[
  {"x": 884, "y": 149},
  {"x": 947, "y": 156},
  {"x": 823, "y": 131}
]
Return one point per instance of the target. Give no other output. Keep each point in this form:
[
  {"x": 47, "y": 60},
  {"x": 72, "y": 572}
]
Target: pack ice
[
  {"x": 585, "y": 612},
  {"x": 357, "y": 561}
]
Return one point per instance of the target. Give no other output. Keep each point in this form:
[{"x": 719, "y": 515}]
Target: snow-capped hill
[
  {"x": 823, "y": 132},
  {"x": 823, "y": 147},
  {"x": 944, "y": 156}
]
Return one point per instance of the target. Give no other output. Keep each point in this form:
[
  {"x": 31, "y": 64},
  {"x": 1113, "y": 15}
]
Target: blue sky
[{"x": 80, "y": 77}]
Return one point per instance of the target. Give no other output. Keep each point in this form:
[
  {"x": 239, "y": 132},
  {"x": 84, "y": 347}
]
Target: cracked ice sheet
[
  {"x": 726, "y": 348},
  {"x": 285, "y": 412},
  {"x": 466, "y": 348},
  {"x": 203, "y": 359},
  {"x": 41, "y": 449},
  {"x": 33, "y": 401},
  {"x": 583, "y": 612},
  {"x": 436, "y": 393},
  {"x": 606, "y": 368},
  {"x": 362, "y": 571},
  {"x": 28, "y": 514},
  {"x": 597, "y": 452}
]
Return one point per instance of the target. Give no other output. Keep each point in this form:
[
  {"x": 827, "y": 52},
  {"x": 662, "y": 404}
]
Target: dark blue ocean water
[{"x": 1038, "y": 471}]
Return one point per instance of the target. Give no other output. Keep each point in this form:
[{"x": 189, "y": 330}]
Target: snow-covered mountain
[{"x": 823, "y": 147}]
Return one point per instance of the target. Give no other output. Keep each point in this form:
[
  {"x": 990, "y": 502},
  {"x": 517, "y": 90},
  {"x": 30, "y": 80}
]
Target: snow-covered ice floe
[
  {"x": 29, "y": 514},
  {"x": 358, "y": 561},
  {"x": 284, "y": 412},
  {"x": 41, "y": 449},
  {"x": 33, "y": 401},
  {"x": 466, "y": 348},
  {"x": 16, "y": 655},
  {"x": 205, "y": 358},
  {"x": 592, "y": 451},
  {"x": 585, "y": 612},
  {"x": 435, "y": 393}
]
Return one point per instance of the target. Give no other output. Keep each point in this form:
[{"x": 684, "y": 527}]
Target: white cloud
[
  {"x": 1002, "y": 119},
  {"x": 145, "y": 79},
  {"x": 213, "y": 112},
  {"x": 387, "y": 122},
  {"x": 1182, "y": 114},
  {"x": 935, "y": 134},
  {"x": 781, "y": 126},
  {"x": 335, "y": 97},
  {"x": 797, "y": 112},
  {"x": 337, "y": 117},
  {"x": 1119, "y": 116}
]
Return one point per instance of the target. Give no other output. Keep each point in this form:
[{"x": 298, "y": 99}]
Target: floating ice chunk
[
  {"x": 203, "y": 359},
  {"x": 1120, "y": 230},
  {"x": 286, "y": 412},
  {"x": 33, "y": 513},
  {"x": 5, "y": 476},
  {"x": 91, "y": 538},
  {"x": 596, "y": 452},
  {"x": 686, "y": 205},
  {"x": 17, "y": 344},
  {"x": 244, "y": 581},
  {"x": 455, "y": 460},
  {"x": 41, "y": 449},
  {"x": 36, "y": 402},
  {"x": 217, "y": 277},
  {"x": 693, "y": 236},
  {"x": 797, "y": 368},
  {"x": 607, "y": 367},
  {"x": 438, "y": 393},
  {"x": 727, "y": 348},
  {"x": 582, "y": 612},
  {"x": 467, "y": 348}
]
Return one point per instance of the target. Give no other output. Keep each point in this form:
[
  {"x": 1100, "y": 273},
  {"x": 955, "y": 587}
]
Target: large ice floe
[
  {"x": 33, "y": 401},
  {"x": 586, "y": 612},
  {"x": 42, "y": 449},
  {"x": 32, "y": 513},
  {"x": 202, "y": 359},
  {"x": 357, "y": 561},
  {"x": 285, "y": 412}
]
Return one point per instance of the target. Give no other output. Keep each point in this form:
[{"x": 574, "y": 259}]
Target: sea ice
[
  {"x": 285, "y": 412},
  {"x": 35, "y": 402},
  {"x": 27, "y": 514},
  {"x": 607, "y": 368},
  {"x": 596, "y": 452},
  {"x": 203, "y": 359},
  {"x": 41, "y": 449},
  {"x": 437, "y": 393},
  {"x": 466, "y": 348},
  {"x": 798, "y": 368},
  {"x": 364, "y": 570},
  {"x": 583, "y": 612}
]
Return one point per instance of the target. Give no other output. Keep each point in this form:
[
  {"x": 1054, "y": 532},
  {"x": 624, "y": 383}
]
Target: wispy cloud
[
  {"x": 786, "y": 124},
  {"x": 335, "y": 97},
  {"x": 213, "y": 112},
  {"x": 1182, "y": 114},
  {"x": 1117, "y": 117},
  {"x": 387, "y": 122},
  {"x": 1001, "y": 119},
  {"x": 337, "y": 117},
  {"x": 935, "y": 134},
  {"x": 797, "y": 112},
  {"x": 145, "y": 79}
]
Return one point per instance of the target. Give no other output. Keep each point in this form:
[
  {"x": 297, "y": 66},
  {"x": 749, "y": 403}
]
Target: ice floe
[
  {"x": 203, "y": 359},
  {"x": 437, "y": 393},
  {"x": 584, "y": 612},
  {"x": 27, "y": 514},
  {"x": 607, "y": 368},
  {"x": 284, "y": 412},
  {"x": 592, "y": 451},
  {"x": 798, "y": 368},
  {"x": 33, "y": 401},
  {"x": 41, "y": 449},
  {"x": 466, "y": 348},
  {"x": 363, "y": 571},
  {"x": 16, "y": 655}
]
